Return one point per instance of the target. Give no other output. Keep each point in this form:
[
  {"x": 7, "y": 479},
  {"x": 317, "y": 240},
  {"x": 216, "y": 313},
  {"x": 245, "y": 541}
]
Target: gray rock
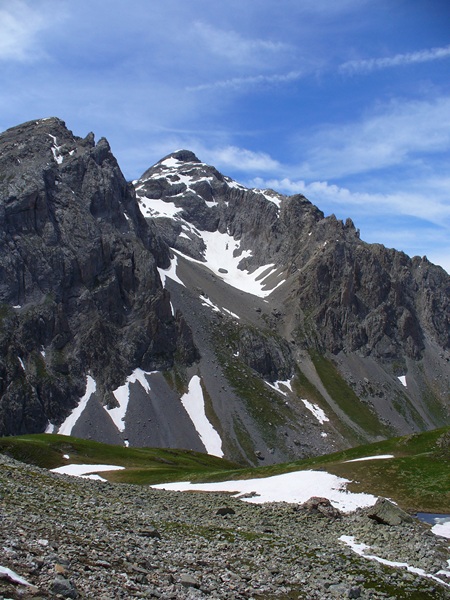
[
  {"x": 386, "y": 513},
  {"x": 63, "y": 586},
  {"x": 189, "y": 581}
]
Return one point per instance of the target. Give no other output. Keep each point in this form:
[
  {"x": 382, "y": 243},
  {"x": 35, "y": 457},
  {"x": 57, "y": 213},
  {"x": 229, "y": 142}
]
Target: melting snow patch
[
  {"x": 170, "y": 162},
  {"x": 402, "y": 380},
  {"x": 151, "y": 207},
  {"x": 378, "y": 457},
  {"x": 194, "y": 405},
  {"x": 69, "y": 423},
  {"x": 315, "y": 410},
  {"x": 12, "y": 576},
  {"x": 220, "y": 257},
  {"x": 442, "y": 528},
  {"x": 215, "y": 308},
  {"x": 361, "y": 550},
  {"x": 276, "y": 385},
  {"x": 171, "y": 273},
  {"x": 87, "y": 471},
  {"x": 56, "y": 150},
  {"x": 296, "y": 487},
  {"x": 122, "y": 395}
]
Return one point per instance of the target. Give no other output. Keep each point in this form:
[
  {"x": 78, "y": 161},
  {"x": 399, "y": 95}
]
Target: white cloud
[
  {"x": 422, "y": 204},
  {"x": 394, "y": 134},
  {"x": 241, "y": 159},
  {"x": 371, "y": 64},
  {"x": 250, "y": 81},
  {"x": 238, "y": 49},
  {"x": 20, "y": 24}
]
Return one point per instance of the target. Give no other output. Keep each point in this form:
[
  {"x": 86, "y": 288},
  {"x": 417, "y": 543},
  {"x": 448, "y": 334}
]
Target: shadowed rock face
[{"x": 79, "y": 287}]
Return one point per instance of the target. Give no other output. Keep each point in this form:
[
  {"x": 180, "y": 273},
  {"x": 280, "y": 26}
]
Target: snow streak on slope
[
  {"x": 70, "y": 422},
  {"x": 315, "y": 410},
  {"x": 362, "y": 549},
  {"x": 194, "y": 403},
  {"x": 296, "y": 487},
  {"x": 122, "y": 395}
]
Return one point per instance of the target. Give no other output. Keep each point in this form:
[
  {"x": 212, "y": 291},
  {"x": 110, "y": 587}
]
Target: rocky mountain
[
  {"x": 79, "y": 288},
  {"x": 187, "y": 310}
]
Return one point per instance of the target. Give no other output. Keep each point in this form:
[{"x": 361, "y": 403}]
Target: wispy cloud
[
  {"x": 372, "y": 64},
  {"x": 20, "y": 24},
  {"x": 236, "y": 83},
  {"x": 241, "y": 159},
  {"x": 238, "y": 49},
  {"x": 422, "y": 204},
  {"x": 394, "y": 134}
]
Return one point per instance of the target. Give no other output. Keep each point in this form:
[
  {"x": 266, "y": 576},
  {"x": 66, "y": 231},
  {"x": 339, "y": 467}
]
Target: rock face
[
  {"x": 356, "y": 330},
  {"x": 79, "y": 288},
  {"x": 127, "y": 310},
  {"x": 349, "y": 295}
]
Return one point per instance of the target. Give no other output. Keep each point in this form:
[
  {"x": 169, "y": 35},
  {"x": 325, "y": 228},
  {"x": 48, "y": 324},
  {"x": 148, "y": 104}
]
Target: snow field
[
  {"x": 296, "y": 487},
  {"x": 194, "y": 404}
]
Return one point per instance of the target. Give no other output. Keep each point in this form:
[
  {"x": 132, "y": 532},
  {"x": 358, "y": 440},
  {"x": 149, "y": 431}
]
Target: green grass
[
  {"x": 142, "y": 465},
  {"x": 346, "y": 398},
  {"x": 417, "y": 478}
]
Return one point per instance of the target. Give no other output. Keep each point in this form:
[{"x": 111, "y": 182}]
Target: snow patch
[
  {"x": 12, "y": 575},
  {"x": 194, "y": 405},
  {"x": 315, "y": 410},
  {"x": 296, "y": 487},
  {"x": 170, "y": 162},
  {"x": 171, "y": 273},
  {"x": 122, "y": 395},
  {"x": 276, "y": 385},
  {"x": 69, "y": 423},
  {"x": 56, "y": 150},
  {"x": 151, "y": 207},
  {"x": 378, "y": 457},
  {"x": 361, "y": 550},
  {"x": 208, "y": 302},
  {"x": 402, "y": 380},
  {"x": 222, "y": 254},
  {"x": 442, "y": 528},
  {"x": 86, "y": 471}
]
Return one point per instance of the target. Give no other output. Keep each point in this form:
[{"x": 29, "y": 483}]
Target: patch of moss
[
  {"x": 305, "y": 389},
  {"x": 346, "y": 398}
]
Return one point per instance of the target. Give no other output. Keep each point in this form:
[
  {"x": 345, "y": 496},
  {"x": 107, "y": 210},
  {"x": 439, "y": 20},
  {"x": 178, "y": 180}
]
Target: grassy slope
[{"x": 418, "y": 477}]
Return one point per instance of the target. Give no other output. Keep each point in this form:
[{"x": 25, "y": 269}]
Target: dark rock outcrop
[{"x": 79, "y": 287}]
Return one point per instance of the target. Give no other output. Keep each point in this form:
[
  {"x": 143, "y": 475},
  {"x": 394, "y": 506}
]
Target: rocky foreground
[{"x": 75, "y": 538}]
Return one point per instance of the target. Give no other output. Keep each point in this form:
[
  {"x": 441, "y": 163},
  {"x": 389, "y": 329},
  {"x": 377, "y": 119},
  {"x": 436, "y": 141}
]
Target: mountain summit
[{"x": 187, "y": 310}]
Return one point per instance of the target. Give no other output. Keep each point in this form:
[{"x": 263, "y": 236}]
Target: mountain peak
[{"x": 182, "y": 156}]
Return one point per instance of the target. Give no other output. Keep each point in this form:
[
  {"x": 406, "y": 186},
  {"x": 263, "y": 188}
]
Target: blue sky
[{"x": 347, "y": 102}]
